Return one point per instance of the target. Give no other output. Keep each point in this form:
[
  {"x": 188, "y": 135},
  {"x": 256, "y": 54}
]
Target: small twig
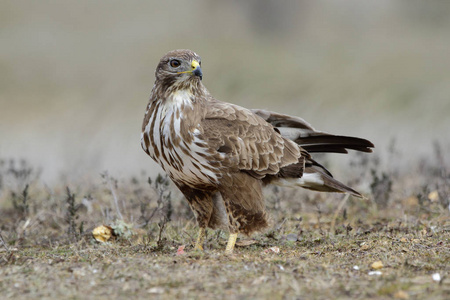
[
  {"x": 113, "y": 192},
  {"x": 2, "y": 241},
  {"x": 161, "y": 226},
  {"x": 190, "y": 236},
  {"x": 336, "y": 213},
  {"x": 279, "y": 226},
  {"x": 71, "y": 215},
  {"x": 319, "y": 212}
]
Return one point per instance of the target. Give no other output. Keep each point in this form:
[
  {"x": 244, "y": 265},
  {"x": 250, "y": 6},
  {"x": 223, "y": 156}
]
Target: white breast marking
[{"x": 193, "y": 169}]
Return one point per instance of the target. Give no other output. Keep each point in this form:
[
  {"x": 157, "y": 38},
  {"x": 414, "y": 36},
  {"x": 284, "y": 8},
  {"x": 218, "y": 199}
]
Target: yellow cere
[{"x": 194, "y": 64}]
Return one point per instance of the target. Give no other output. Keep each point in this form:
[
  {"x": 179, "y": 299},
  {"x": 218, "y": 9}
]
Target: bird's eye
[{"x": 175, "y": 63}]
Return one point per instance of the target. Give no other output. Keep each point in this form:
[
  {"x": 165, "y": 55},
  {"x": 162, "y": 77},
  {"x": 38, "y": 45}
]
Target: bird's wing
[
  {"x": 312, "y": 140},
  {"x": 248, "y": 141}
]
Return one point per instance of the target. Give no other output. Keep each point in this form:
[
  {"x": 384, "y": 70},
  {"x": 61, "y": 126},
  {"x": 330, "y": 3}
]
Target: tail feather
[
  {"x": 316, "y": 180},
  {"x": 333, "y": 143},
  {"x": 308, "y": 173},
  {"x": 312, "y": 140},
  {"x": 323, "y": 182}
]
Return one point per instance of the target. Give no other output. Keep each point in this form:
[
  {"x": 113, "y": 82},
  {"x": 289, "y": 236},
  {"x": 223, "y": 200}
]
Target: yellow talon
[
  {"x": 200, "y": 239},
  {"x": 231, "y": 243}
]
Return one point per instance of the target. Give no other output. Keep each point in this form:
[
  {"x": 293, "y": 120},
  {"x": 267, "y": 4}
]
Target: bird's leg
[
  {"x": 200, "y": 239},
  {"x": 231, "y": 243}
]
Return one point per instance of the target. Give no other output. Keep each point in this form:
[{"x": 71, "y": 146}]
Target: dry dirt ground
[{"x": 394, "y": 244}]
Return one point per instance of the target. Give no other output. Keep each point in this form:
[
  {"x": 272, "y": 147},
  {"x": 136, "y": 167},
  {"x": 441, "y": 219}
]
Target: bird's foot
[
  {"x": 231, "y": 242},
  {"x": 200, "y": 239}
]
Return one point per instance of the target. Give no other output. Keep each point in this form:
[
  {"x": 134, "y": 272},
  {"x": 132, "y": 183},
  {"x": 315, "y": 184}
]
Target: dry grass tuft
[{"x": 394, "y": 244}]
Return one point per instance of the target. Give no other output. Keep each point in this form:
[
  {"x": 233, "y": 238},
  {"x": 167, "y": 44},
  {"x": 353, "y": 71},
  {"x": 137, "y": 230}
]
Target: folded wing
[{"x": 247, "y": 142}]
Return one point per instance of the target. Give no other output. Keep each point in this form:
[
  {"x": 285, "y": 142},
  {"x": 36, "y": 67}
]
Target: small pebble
[
  {"x": 377, "y": 265},
  {"x": 436, "y": 277},
  {"x": 401, "y": 295},
  {"x": 292, "y": 237},
  {"x": 375, "y": 273}
]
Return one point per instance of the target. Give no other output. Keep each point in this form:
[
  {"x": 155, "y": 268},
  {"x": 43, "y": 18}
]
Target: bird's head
[{"x": 179, "y": 67}]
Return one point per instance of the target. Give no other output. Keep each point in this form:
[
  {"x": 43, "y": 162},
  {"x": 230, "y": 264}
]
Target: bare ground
[{"x": 319, "y": 246}]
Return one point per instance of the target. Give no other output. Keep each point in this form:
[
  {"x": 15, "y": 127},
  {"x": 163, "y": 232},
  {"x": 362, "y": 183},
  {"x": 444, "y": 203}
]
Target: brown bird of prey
[{"x": 220, "y": 155}]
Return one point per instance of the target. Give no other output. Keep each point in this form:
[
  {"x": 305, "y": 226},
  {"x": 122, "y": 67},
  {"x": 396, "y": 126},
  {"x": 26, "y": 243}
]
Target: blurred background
[{"x": 75, "y": 76}]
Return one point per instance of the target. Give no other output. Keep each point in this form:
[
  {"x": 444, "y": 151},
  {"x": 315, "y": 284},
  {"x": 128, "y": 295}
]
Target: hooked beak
[{"x": 196, "y": 70}]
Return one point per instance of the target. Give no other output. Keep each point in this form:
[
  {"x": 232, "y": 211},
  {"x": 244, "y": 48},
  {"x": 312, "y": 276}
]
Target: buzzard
[{"x": 220, "y": 155}]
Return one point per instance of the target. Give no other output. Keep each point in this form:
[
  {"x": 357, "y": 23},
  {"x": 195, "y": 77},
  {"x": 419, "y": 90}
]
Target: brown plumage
[{"x": 220, "y": 155}]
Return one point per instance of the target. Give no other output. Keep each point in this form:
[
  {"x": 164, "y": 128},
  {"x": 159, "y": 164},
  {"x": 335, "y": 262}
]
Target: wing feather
[{"x": 250, "y": 143}]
